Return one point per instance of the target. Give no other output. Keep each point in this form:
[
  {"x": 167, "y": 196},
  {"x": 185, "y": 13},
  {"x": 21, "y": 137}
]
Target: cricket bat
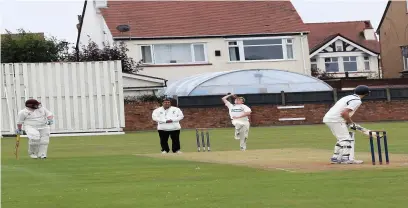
[
  {"x": 363, "y": 130},
  {"x": 17, "y": 145}
]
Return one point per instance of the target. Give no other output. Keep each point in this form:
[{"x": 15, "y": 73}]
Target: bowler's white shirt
[
  {"x": 238, "y": 110},
  {"x": 34, "y": 118},
  {"x": 161, "y": 115},
  {"x": 352, "y": 102}
]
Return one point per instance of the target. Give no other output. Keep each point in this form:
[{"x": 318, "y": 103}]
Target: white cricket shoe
[
  {"x": 33, "y": 156},
  {"x": 352, "y": 162},
  {"x": 164, "y": 152},
  {"x": 43, "y": 156},
  {"x": 179, "y": 152},
  {"x": 243, "y": 149}
]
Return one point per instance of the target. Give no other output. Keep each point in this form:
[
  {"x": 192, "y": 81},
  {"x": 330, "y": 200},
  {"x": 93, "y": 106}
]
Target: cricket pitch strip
[{"x": 289, "y": 160}]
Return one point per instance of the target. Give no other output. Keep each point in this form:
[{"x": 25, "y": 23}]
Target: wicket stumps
[
  {"x": 384, "y": 138},
  {"x": 202, "y": 131}
]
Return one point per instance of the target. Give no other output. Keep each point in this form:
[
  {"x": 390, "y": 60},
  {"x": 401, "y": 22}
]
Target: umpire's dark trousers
[{"x": 175, "y": 140}]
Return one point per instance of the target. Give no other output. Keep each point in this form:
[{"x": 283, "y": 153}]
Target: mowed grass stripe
[{"x": 102, "y": 171}]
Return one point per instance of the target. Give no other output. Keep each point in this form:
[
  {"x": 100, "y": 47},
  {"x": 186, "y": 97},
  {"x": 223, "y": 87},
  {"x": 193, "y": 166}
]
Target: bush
[
  {"x": 92, "y": 52},
  {"x": 144, "y": 99}
]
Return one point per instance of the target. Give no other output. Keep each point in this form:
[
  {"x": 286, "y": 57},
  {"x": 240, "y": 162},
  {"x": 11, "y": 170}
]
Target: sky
[{"x": 58, "y": 18}]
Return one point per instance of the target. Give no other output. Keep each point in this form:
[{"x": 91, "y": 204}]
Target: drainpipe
[
  {"x": 303, "y": 53},
  {"x": 80, "y": 29}
]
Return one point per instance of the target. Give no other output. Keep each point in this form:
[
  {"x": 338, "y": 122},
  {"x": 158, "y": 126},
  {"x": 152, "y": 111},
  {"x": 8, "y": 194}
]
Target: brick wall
[{"x": 139, "y": 115}]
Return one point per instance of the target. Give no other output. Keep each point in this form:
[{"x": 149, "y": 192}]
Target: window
[
  {"x": 233, "y": 51},
  {"x": 405, "y": 57},
  {"x": 313, "y": 63},
  {"x": 350, "y": 63},
  {"x": 289, "y": 48},
  {"x": 174, "y": 53},
  {"x": 261, "y": 49},
  {"x": 331, "y": 64},
  {"x": 366, "y": 63}
]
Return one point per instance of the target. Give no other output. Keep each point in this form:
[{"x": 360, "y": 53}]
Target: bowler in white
[
  {"x": 239, "y": 114},
  {"x": 338, "y": 119}
]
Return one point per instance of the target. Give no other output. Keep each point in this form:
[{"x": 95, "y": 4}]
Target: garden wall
[{"x": 139, "y": 115}]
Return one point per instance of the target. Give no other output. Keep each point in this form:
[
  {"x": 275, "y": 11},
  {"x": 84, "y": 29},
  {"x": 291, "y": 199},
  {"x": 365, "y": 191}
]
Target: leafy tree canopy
[{"x": 27, "y": 47}]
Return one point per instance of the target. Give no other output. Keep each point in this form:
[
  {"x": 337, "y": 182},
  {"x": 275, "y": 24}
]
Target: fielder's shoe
[
  {"x": 243, "y": 148},
  {"x": 178, "y": 152},
  {"x": 33, "y": 156},
  {"x": 236, "y": 135},
  {"x": 164, "y": 152},
  {"x": 43, "y": 156}
]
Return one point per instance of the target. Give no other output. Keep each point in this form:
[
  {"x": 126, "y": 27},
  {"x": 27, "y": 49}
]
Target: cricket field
[{"x": 284, "y": 166}]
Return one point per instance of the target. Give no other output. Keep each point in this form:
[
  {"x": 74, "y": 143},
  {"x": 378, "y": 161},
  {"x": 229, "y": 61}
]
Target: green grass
[{"x": 102, "y": 172}]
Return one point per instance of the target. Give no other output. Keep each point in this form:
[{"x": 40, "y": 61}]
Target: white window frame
[
  {"x": 242, "y": 50},
  {"x": 407, "y": 5},
  {"x": 191, "y": 51},
  {"x": 331, "y": 61},
  {"x": 349, "y": 61},
  {"x": 366, "y": 63},
  {"x": 404, "y": 59},
  {"x": 313, "y": 62}
]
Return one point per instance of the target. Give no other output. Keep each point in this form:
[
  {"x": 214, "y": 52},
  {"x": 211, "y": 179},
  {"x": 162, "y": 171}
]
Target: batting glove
[
  {"x": 353, "y": 126},
  {"x": 19, "y": 131},
  {"x": 50, "y": 122}
]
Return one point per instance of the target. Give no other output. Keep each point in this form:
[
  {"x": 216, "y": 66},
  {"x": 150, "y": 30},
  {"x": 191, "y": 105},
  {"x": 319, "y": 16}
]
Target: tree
[
  {"x": 34, "y": 47},
  {"x": 320, "y": 74},
  {"x": 30, "y": 47},
  {"x": 92, "y": 52}
]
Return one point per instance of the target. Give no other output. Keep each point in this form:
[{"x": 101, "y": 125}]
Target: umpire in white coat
[{"x": 168, "y": 118}]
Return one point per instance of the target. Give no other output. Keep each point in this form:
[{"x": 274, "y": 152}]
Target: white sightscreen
[{"x": 84, "y": 96}]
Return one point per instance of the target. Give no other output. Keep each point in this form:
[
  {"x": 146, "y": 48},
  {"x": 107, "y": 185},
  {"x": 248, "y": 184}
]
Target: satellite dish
[{"x": 123, "y": 28}]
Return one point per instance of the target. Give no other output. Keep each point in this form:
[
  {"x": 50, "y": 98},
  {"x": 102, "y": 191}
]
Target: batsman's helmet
[
  {"x": 362, "y": 90},
  {"x": 32, "y": 103}
]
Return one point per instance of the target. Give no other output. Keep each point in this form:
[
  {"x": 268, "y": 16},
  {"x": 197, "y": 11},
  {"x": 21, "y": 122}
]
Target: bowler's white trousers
[
  {"x": 241, "y": 132},
  {"x": 344, "y": 148},
  {"x": 38, "y": 140}
]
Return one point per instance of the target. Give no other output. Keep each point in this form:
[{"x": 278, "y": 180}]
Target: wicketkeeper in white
[
  {"x": 338, "y": 119},
  {"x": 36, "y": 120},
  {"x": 239, "y": 115}
]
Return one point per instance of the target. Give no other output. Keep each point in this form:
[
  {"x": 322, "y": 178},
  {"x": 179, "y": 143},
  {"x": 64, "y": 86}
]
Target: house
[
  {"x": 340, "y": 47},
  {"x": 177, "y": 39},
  {"x": 393, "y": 34}
]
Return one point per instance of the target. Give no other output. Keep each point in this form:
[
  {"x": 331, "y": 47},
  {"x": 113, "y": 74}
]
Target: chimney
[
  {"x": 369, "y": 33},
  {"x": 100, "y": 4}
]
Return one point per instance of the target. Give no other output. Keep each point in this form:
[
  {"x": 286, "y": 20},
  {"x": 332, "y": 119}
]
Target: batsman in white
[
  {"x": 239, "y": 115},
  {"x": 338, "y": 119},
  {"x": 36, "y": 120}
]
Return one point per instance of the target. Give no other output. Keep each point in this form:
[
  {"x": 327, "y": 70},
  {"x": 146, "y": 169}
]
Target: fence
[
  {"x": 293, "y": 98},
  {"x": 350, "y": 83},
  {"x": 84, "y": 96}
]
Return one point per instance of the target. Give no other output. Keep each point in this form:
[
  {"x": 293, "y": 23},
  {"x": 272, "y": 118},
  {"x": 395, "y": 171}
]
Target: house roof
[
  {"x": 164, "y": 19},
  {"x": 321, "y": 33},
  {"x": 383, "y": 16},
  {"x": 142, "y": 75}
]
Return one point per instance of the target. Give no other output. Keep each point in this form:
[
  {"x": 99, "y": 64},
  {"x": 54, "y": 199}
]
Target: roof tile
[{"x": 152, "y": 19}]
